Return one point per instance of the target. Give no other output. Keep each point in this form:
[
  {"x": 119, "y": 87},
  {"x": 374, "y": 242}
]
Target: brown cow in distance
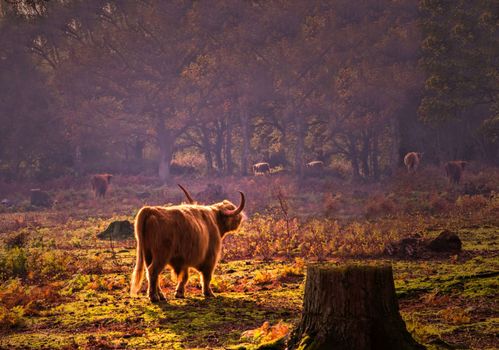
[
  {"x": 100, "y": 184},
  {"x": 454, "y": 170},
  {"x": 412, "y": 160},
  {"x": 181, "y": 236}
]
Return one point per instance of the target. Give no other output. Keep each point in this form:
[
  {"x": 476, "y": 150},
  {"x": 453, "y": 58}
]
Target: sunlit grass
[{"x": 62, "y": 287}]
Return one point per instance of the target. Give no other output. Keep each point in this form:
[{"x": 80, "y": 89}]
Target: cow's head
[
  {"x": 108, "y": 177},
  {"x": 420, "y": 155},
  {"x": 228, "y": 216},
  {"x": 463, "y": 164}
]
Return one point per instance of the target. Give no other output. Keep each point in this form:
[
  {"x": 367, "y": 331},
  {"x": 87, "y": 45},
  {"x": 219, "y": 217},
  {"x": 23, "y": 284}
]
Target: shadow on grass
[{"x": 216, "y": 321}]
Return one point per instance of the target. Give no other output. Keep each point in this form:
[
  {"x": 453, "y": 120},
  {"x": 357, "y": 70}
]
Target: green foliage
[
  {"x": 11, "y": 318},
  {"x": 460, "y": 44},
  {"x": 52, "y": 264},
  {"x": 13, "y": 263}
]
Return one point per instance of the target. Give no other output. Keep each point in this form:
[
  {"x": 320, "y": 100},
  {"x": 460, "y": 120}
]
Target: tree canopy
[{"x": 118, "y": 85}]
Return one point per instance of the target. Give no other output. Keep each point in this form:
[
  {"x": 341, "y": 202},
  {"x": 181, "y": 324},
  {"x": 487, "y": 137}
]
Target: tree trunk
[
  {"x": 165, "y": 142},
  {"x": 246, "y": 141},
  {"x": 78, "y": 163},
  {"x": 219, "y": 141},
  {"x": 352, "y": 307},
  {"x": 138, "y": 149},
  {"x": 228, "y": 148},
  {"x": 352, "y": 154},
  {"x": 300, "y": 145},
  {"x": 364, "y": 155},
  {"x": 374, "y": 157},
  {"x": 395, "y": 149},
  {"x": 207, "y": 151}
]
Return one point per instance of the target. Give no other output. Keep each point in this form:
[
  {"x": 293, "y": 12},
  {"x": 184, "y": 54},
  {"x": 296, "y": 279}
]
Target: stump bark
[
  {"x": 352, "y": 307},
  {"x": 117, "y": 230},
  {"x": 447, "y": 241}
]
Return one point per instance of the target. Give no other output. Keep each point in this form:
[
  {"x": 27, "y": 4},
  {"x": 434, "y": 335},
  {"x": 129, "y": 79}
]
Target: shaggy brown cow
[
  {"x": 316, "y": 165},
  {"x": 454, "y": 170},
  {"x": 412, "y": 160},
  {"x": 261, "y": 168},
  {"x": 181, "y": 236},
  {"x": 100, "y": 183}
]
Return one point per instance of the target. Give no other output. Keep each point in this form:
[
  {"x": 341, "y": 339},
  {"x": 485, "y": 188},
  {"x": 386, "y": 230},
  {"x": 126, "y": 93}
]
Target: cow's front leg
[
  {"x": 183, "y": 278},
  {"x": 206, "y": 280}
]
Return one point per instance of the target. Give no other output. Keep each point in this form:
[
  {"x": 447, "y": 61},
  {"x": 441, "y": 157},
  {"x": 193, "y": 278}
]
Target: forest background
[{"x": 210, "y": 87}]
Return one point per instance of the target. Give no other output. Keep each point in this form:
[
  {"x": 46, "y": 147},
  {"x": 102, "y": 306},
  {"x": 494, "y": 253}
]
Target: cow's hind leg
[
  {"x": 182, "y": 278},
  {"x": 161, "y": 295},
  {"x": 206, "y": 280},
  {"x": 153, "y": 271}
]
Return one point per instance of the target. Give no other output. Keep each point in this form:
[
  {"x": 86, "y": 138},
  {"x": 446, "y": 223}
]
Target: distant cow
[
  {"x": 412, "y": 160},
  {"x": 316, "y": 165},
  {"x": 100, "y": 183},
  {"x": 181, "y": 236},
  {"x": 454, "y": 170},
  {"x": 261, "y": 168}
]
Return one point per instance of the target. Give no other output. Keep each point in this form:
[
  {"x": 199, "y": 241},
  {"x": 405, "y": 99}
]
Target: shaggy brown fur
[
  {"x": 412, "y": 160},
  {"x": 100, "y": 184},
  {"x": 181, "y": 236},
  {"x": 261, "y": 168},
  {"x": 454, "y": 170}
]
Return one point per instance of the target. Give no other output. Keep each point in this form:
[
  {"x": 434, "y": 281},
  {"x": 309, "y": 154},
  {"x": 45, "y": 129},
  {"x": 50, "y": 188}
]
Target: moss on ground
[{"x": 448, "y": 300}]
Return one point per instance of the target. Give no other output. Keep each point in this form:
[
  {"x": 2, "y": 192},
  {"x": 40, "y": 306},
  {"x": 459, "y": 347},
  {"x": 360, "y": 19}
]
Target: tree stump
[
  {"x": 446, "y": 241},
  {"x": 352, "y": 307},
  {"x": 117, "y": 230}
]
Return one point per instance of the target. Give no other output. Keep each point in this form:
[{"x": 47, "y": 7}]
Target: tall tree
[{"x": 461, "y": 46}]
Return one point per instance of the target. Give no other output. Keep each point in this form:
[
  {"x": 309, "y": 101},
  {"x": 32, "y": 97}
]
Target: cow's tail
[{"x": 138, "y": 272}]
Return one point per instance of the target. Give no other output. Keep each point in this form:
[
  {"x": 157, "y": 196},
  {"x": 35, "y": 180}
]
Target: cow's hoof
[
  {"x": 154, "y": 299},
  {"x": 179, "y": 295},
  {"x": 209, "y": 294}
]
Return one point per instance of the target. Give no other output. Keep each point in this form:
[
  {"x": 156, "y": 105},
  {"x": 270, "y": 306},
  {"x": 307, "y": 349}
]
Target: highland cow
[
  {"x": 182, "y": 237},
  {"x": 454, "y": 170},
  {"x": 412, "y": 160},
  {"x": 100, "y": 184},
  {"x": 261, "y": 168},
  {"x": 316, "y": 165}
]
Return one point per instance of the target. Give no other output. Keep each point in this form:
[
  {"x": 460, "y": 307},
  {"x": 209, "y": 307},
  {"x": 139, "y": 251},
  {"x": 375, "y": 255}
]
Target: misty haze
[{"x": 249, "y": 174}]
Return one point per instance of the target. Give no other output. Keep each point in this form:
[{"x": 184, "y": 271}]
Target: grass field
[{"x": 61, "y": 287}]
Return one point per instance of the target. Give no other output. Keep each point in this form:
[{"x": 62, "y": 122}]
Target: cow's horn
[
  {"x": 189, "y": 198},
  {"x": 237, "y": 210}
]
